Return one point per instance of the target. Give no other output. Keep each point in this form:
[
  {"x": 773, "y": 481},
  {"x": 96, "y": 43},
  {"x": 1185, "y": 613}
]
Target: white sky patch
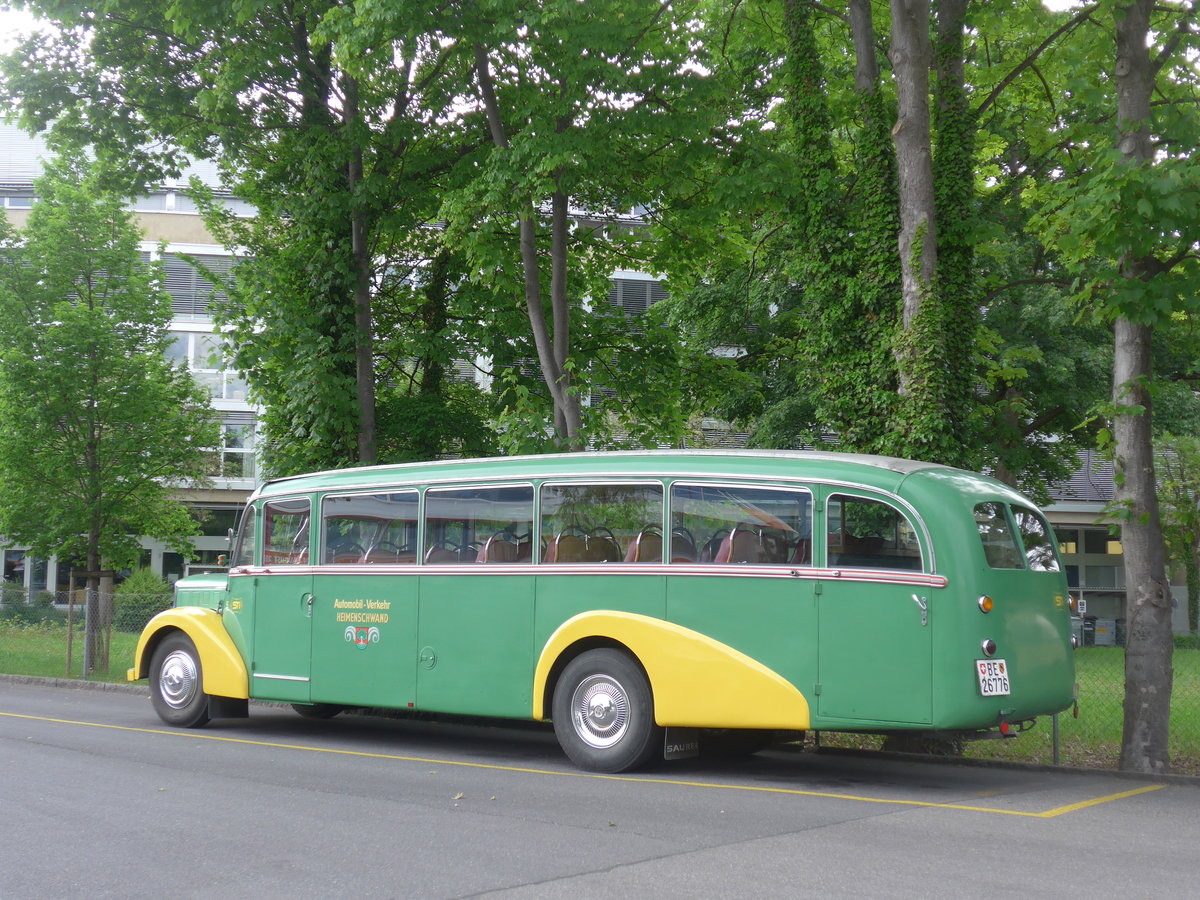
[{"x": 15, "y": 24}]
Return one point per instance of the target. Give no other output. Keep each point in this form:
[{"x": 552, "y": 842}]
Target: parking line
[{"x": 635, "y": 779}]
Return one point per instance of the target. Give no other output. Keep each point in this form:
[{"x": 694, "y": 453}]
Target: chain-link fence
[
  {"x": 1092, "y": 738},
  {"x": 45, "y": 632}
]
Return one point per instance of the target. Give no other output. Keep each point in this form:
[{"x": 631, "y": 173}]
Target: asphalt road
[{"x": 99, "y": 799}]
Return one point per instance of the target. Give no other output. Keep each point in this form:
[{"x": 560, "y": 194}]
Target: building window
[
  {"x": 234, "y": 458},
  {"x": 200, "y": 354}
]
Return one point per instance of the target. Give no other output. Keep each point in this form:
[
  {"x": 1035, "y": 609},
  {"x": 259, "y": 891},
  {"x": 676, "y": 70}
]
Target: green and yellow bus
[{"x": 645, "y": 602}]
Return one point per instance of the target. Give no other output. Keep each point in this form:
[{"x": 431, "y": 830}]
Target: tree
[
  {"x": 100, "y": 428},
  {"x": 1177, "y": 462},
  {"x": 1126, "y": 221}
]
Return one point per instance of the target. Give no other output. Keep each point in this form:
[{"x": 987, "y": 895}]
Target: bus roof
[{"x": 878, "y": 471}]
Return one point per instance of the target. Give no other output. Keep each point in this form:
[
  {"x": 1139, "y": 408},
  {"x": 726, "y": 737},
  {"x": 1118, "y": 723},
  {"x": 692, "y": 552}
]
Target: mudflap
[
  {"x": 681, "y": 743},
  {"x": 228, "y": 708}
]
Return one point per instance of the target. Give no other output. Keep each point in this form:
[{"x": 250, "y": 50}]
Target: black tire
[
  {"x": 603, "y": 712},
  {"x": 177, "y": 683},
  {"x": 317, "y": 710}
]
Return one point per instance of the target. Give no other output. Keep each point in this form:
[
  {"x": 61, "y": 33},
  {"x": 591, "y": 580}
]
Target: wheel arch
[
  {"x": 224, "y": 669},
  {"x": 696, "y": 681}
]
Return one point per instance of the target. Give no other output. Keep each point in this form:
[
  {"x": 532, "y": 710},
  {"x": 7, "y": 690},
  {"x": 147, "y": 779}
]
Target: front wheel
[
  {"x": 603, "y": 712},
  {"x": 177, "y": 683}
]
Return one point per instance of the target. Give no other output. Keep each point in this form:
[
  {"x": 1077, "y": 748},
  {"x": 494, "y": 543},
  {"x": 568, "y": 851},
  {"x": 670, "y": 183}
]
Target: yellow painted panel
[
  {"x": 223, "y": 668},
  {"x": 697, "y": 681}
]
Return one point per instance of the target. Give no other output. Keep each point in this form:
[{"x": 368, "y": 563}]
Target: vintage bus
[{"x": 645, "y": 602}]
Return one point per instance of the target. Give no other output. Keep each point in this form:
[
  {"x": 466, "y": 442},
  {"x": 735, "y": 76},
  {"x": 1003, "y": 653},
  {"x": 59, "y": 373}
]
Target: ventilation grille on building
[{"x": 191, "y": 292}]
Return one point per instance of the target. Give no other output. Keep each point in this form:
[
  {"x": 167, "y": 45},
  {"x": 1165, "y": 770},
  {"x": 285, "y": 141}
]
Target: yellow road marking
[{"x": 1048, "y": 814}]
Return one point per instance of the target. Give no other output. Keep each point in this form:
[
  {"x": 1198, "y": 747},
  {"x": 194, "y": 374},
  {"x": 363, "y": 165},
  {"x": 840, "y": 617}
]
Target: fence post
[
  {"x": 88, "y": 639},
  {"x": 1054, "y": 731}
]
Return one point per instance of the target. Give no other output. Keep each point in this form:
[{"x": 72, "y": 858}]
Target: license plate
[{"x": 993, "y": 677}]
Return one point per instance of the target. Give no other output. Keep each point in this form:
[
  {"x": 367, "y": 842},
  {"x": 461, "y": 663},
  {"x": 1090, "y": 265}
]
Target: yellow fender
[
  {"x": 223, "y": 667},
  {"x": 697, "y": 682}
]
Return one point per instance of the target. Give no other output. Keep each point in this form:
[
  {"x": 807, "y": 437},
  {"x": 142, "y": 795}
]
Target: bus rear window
[
  {"x": 1028, "y": 545},
  {"x": 1038, "y": 540},
  {"x": 999, "y": 541}
]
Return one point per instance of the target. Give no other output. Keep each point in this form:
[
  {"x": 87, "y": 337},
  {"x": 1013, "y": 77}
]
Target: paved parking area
[{"x": 282, "y": 806}]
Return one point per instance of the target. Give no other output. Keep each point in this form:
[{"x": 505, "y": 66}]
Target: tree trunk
[
  {"x": 360, "y": 252},
  {"x": 911, "y": 56},
  {"x": 553, "y": 352},
  {"x": 1148, "y": 646}
]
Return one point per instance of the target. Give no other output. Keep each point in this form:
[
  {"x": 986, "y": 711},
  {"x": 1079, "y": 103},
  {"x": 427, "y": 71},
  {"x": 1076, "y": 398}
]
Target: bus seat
[
  {"x": 802, "y": 553},
  {"x": 441, "y": 555},
  {"x": 683, "y": 547},
  {"x": 739, "y": 546},
  {"x": 602, "y": 548},
  {"x": 646, "y": 547},
  {"x": 566, "y": 548},
  {"x": 498, "y": 550}
]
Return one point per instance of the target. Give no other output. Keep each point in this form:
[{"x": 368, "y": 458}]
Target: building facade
[{"x": 175, "y": 233}]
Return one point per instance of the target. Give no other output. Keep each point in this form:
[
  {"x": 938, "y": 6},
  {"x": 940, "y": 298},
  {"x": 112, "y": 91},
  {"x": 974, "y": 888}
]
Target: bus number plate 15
[{"x": 993, "y": 677}]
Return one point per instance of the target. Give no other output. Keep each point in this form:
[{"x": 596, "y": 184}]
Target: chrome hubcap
[
  {"x": 177, "y": 681},
  {"x": 600, "y": 711}
]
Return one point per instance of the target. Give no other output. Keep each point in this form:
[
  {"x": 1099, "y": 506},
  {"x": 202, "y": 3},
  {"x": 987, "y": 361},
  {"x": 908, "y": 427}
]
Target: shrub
[{"x": 138, "y": 598}]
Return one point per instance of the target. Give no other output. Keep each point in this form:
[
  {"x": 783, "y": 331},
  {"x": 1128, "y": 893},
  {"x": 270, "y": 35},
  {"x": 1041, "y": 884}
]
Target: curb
[{"x": 74, "y": 683}]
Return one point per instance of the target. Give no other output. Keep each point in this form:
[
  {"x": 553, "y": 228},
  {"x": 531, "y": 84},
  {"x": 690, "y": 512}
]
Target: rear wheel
[
  {"x": 603, "y": 712},
  {"x": 317, "y": 710},
  {"x": 177, "y": 683}
]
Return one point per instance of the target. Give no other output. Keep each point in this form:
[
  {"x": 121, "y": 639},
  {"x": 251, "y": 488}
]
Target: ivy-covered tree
[{"x": 100, "y": 428}]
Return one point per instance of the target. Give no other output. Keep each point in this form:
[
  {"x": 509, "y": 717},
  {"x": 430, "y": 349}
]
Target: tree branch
[{"x": 1012, "y": 76}]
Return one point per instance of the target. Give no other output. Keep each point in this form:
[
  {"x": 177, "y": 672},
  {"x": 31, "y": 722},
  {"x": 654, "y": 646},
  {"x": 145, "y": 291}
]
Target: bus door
[
  {"x": 365, "y": 619},
  {"x": 475, "y": 645},
  {"x": 283, "y": 604},
  {"x": 874, "y": 631}
]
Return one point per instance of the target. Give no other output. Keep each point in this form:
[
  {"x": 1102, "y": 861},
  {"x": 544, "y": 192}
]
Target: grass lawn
[
  {"x": 1094, "y": 739},
  {"x": 41, "y": 649}
]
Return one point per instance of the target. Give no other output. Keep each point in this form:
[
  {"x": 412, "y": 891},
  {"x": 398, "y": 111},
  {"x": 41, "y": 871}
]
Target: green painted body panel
[
  {"x": 476, "y": 644},
  {"x": 206, "y": 591},
  {"x": 466, "y": 638},
  {"x": 874, "y": 655},
  {"x": 559, "y": 597},
  {"x": 1030, "y": 623},
  {"x": 281, "y": 659},
  {"x": 364, "y": 640}
]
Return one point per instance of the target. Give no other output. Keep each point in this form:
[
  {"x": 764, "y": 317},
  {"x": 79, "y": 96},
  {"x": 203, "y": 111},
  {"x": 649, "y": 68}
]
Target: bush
[
  {"x": 138, "y": 598},
  {"x": 1187, "y": 642}
]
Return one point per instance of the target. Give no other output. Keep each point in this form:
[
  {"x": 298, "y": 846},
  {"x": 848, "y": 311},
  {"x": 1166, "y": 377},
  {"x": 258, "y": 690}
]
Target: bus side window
[
  {"x": 734, "y": 524},
  {"x": 602, "y": 523},
  {"x": 869, "y": 534},
  {"x": 285, "y": 532},
  {"x": 486, "y": 525},
  {"x": 369, "y": 529},
  {"x": 243, "y": 554}
]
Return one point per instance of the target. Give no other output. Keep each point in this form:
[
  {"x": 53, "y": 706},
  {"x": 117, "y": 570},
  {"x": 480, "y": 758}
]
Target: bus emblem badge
[{"x": 361, "y": 637}]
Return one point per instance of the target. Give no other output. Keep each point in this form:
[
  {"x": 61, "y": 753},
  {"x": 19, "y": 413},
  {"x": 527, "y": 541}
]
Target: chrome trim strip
[
  {"x": 807, "y": 573},
  {"x": 281, "y": 677}
]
